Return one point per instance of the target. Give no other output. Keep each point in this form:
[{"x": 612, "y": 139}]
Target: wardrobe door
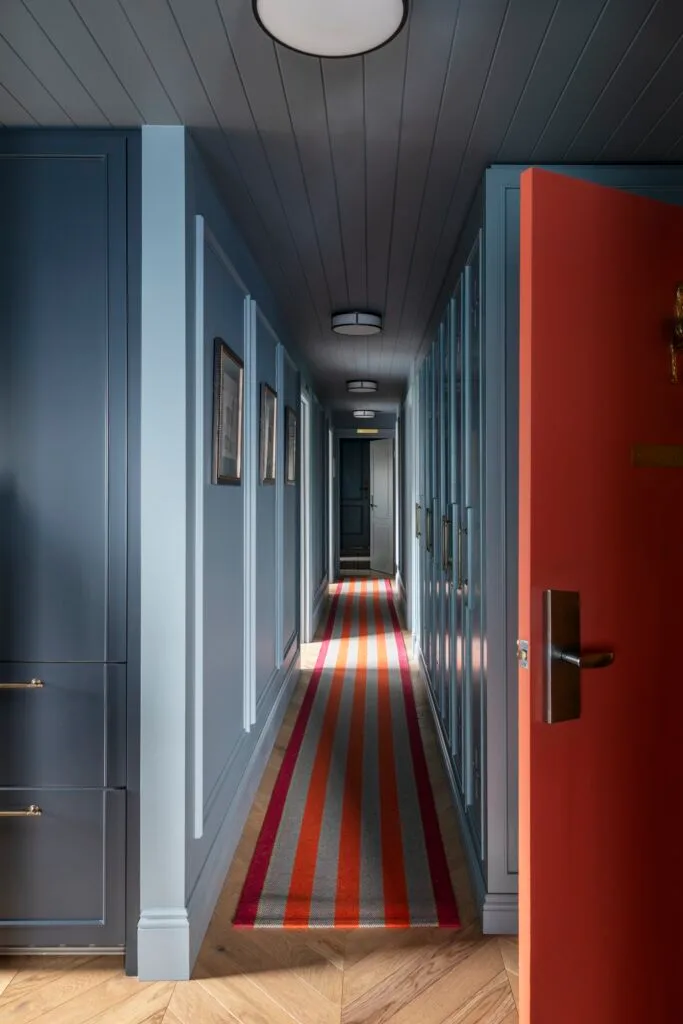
[
  {"x": 456, "y": 515},
  {"x": 472, "y": 583},
  {"x": 429, "y": 525},
  {"x": 445, "y": 560},
  {"x": 424, "y": 510},
  {"x": 437, "y": 589}
]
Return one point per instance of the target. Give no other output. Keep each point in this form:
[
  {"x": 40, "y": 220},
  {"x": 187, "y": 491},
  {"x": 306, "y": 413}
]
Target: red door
[{"x": 601, "y": 517}]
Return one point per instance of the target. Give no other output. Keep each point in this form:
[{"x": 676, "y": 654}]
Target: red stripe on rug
[
  {"x": 444, "y": 897},
  {"x": 298, "y": 907},
  {"x": 247, "y": 907}
]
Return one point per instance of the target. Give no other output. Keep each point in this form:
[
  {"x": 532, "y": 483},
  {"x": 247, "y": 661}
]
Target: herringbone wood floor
[{"x": 419, "y": 976}]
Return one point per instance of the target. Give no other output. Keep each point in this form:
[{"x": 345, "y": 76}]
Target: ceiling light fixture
[
  {"x": 357, "y": 323},
  {"x": 367, "y": 430},
  {"x": 331, "y": 28},
  {"x": 361, "y": 387},
  {"x": 363, "y": 414}
]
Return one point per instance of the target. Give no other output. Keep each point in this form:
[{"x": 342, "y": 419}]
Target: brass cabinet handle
[
  {"x": 32, "y": 811},
  {"x": 30, "y": 684}
]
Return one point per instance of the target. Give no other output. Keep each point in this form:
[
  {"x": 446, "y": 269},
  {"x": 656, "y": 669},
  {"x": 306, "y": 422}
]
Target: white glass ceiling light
[
  {"x": 361, "y": 387},
  {"x": 357, "y": 323},
  {"x": 331, "y": 28},
  {"x": 364, "y": 414}
]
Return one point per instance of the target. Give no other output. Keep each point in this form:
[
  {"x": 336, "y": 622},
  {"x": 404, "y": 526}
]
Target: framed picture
[
  {"x": 290, "y": 445},
  {"x": 228, "y": 393},
  {"x": 267, "y": 434}
]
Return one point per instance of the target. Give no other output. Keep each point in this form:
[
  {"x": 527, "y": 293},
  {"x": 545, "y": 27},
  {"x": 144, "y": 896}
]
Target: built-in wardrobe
[
  {"x": 460, "y": 418},
  {"x": 69, "y": 537}
]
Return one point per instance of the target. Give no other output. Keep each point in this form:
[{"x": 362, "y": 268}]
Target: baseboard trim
[
  {"x": 318, "y": 606},
  {"x": 500, "y": 914},
  {"x": 210, "y": 882},
  {"x": 401, "y": 588},
  {"x": 499, "y": 911},
  {"x": 164, "y": 944}
]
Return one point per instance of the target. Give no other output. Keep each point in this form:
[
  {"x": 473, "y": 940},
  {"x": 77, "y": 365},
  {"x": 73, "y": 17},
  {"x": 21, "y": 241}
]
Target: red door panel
[{"x": 601, "y": 884}]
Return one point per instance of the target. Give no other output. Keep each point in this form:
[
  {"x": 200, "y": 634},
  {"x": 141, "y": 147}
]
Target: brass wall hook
[{"x": 676, "y": 344}]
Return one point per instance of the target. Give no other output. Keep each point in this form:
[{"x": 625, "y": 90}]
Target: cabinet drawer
[
  {"x": 62, "y": 873},
  {"x": 71, "y": 731}
]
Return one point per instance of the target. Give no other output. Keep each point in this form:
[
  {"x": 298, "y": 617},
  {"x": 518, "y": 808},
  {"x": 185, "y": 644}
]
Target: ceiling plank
[
  {"x": 640, "y": 62},
  {"x": 113, "y": 33},
  {"x": 343, "y": 82},
  {"x": 255, "y": 56},
  {"x": 568, "y": 35},
  {"x": 60, "y": 20},
  {"x": 12, "y": 112},
  {"x": 479, "y": 32},
  {"x": 605, "y": 47},
  {"x": 430, "y": 51},
  {"x": 303, "y": 85},
  {"x": 34, "y": 47},
  {"x": 385, "y": 83},
  {"x": 648, "y": 120},
  {"x": 27, "y": 90}
]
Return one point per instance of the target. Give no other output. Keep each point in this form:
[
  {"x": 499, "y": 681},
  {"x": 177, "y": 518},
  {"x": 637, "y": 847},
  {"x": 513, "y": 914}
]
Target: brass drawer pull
[
  {"x": 32, "y": 811},
  {"x": 31, "y": 684}
]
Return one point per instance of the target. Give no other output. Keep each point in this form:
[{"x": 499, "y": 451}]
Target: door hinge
[{"x": 523, "y": 653}]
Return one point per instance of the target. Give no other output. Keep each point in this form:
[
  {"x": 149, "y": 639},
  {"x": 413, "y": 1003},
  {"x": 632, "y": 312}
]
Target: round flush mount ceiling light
[
  {"x": 363, "y": 414},
  {"x": 361, "y": 387},
  {"x": 357, "y": 323},
  {"x": 331, "y": 28}
]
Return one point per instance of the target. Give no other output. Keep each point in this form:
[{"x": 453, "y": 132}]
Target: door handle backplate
[{"x": 563, "y": 658}]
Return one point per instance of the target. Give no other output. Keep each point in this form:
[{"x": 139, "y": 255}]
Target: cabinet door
[
  {"x": 457, "y": 517},
  {"x": 62, "y": 851},
  {"x": 62, "y": 403},
  {"x": 472, "y": 588}
]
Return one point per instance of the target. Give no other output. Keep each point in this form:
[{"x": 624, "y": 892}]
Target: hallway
[{"x": 309, "y": 976}]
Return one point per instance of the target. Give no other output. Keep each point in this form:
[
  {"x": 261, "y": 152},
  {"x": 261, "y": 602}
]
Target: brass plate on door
[{"x": 658, "y": 456}]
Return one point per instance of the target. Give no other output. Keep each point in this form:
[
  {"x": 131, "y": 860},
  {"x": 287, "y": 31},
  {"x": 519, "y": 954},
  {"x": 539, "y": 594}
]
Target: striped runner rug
[{"x": 351, "y": 836}]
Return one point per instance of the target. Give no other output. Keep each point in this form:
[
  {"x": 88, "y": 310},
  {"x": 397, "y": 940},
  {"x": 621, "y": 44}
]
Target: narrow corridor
[{"x": 354, "y": 975}]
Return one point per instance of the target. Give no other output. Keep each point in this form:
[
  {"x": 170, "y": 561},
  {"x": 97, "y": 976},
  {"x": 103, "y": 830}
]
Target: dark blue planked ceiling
[{"x": 351, "y": 178}]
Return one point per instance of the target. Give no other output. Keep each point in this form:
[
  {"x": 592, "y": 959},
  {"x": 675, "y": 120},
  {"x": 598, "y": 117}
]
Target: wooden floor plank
[
  {"x": 30, "y": 1005},
  {"x": 36, "y": 972}
]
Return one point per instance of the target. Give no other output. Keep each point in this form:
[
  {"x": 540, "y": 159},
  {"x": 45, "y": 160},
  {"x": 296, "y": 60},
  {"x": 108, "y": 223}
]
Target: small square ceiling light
[
  {"x": 360, "y": 324},
  {"x": 361, "y": 387},
  {"x": 363, "y": 414},
  {"x": 331, "y": 28}
]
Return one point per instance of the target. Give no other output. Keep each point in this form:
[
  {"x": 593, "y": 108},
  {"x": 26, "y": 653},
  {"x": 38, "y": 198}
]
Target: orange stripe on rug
[
  {"x": 347, "y": 902},
  {"x": 396, "y": 909},
  {"x": 298, "y": 908}
]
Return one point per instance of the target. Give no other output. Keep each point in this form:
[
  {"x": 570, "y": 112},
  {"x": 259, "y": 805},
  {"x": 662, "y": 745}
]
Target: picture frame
[
  {"x": 290, "y": 445},
  {"x": 268, "y": 434},
  {"x": 228, "y": 415}
]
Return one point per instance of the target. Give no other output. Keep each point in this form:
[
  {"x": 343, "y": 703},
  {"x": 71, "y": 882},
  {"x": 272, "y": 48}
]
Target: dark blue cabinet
[{"x": 64, "y": 350}]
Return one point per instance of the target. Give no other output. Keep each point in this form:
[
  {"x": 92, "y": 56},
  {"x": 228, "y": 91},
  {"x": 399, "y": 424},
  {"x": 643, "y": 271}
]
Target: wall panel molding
[{"x": 249, "y": 485}]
